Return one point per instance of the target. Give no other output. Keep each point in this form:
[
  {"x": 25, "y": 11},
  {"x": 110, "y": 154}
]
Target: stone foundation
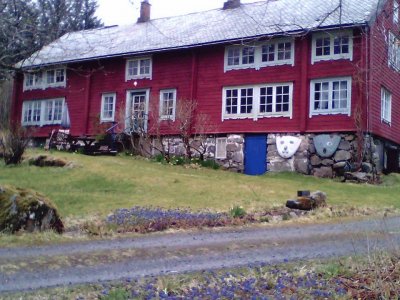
[{"x": 306, "y": 159}]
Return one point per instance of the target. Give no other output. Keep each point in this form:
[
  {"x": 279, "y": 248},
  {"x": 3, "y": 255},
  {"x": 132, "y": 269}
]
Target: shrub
[
  {"x": 237, "y": 212},
  {"x": 13, "y": 142}
]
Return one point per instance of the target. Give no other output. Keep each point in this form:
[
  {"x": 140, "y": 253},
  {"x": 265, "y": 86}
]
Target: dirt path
[{"x": 33, "y": 268}]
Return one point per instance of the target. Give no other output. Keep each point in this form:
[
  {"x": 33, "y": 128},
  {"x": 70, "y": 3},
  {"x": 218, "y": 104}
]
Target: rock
[
  {"x": 305, "y": 144},
  {"x": 311, "y": 148},
  {"x": 349, "y": 137},
  {"x": 340, "y": 165},
  {"x": 293, "y": 215},
  {"x": 315, "y": 160},
  {"x": 278, "y": 166},
  {"x": 47, "y": 161},
  {"x": 272, "y": 148},
  {"x": 342, "y": 155},
  {"x": 238, "y": 157},
  {"x": 360, "y": 177},
  {"x": 323, "y": 172},
  {"x": 28, "y": 210},
  {"x": 344, "y": 145},
  {"x": 315, "y": 200},
  {"x": 319, "y": 199},
  {"x": 277, "y": 218},
  {"x": 327, "y": 162},
  {"x": 232, "y": 148},
  {"x": 302, "y": 166},
  {"x": 366, "y": 167}
]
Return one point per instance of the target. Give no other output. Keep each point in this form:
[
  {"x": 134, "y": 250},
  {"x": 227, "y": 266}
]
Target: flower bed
[{"x": 148, "y": 219}]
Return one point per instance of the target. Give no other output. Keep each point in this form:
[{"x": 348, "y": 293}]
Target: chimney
[
  {"x": 145, "y": 8},
  {"x": 229, "y": 4}
]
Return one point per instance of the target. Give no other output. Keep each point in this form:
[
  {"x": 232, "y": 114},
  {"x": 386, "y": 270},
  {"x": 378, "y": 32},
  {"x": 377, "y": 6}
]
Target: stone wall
[{"x": 306, "y": 159}]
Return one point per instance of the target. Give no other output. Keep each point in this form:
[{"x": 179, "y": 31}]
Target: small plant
[
  {"x": 13, "y": 142},
  {"x": 237, "y": 212},
  {"x": 116, "y": 294}
]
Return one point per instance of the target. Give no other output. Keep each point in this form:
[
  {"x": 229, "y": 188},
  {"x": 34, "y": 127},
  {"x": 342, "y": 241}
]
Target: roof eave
[{"x": 191, "y": 46}]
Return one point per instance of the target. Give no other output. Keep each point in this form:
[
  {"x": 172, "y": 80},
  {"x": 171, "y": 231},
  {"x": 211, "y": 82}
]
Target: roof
[{"x": 254, "y": 20}]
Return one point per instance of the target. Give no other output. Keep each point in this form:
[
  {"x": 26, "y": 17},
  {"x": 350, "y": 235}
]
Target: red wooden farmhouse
[{"x": 286, "y": 85}]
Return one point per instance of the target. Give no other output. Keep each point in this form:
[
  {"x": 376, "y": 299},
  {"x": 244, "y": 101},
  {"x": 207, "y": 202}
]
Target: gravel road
[{"x": 89, "y": 262}]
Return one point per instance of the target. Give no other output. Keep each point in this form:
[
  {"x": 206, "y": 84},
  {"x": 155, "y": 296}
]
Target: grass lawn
[{"x": 101, "y": 184}]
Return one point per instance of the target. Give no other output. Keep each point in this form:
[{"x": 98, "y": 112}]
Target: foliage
[
  {"x": 115, "y": 294},
  {"x": 181, "y": 160},
  {"x": 237, "y": 212},
  {"x": 148, "y": 219},
  {"x": 13, "y": 142},
  {"x": 26, "y": 25}
]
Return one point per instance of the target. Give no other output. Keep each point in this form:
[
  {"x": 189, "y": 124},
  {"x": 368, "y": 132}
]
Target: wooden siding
[
  {"x": 199, "y": 74},
  {"x": 381, "y": 75}
]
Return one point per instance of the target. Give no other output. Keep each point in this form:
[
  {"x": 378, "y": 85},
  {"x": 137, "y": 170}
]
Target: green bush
[
  {"x": 117, "y": 294},
  {"x": 237, "y": 212}
]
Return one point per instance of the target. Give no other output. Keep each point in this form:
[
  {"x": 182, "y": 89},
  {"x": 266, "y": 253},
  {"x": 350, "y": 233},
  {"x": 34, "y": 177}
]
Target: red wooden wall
[
  {"x": 199, "y": 74},
  {"x": 383, "y": 75}
]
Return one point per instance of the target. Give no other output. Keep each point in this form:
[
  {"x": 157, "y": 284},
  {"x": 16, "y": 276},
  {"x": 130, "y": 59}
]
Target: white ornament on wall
[{"x": 287, "y": 145}]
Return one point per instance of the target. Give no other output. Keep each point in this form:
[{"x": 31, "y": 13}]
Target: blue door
[{"x": 255, "y": 154}]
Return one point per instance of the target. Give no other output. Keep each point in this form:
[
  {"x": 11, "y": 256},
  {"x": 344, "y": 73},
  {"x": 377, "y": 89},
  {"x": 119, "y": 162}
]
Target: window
[
  {"x": 167, "y": 104},
  {"x": 330, "y": 96},
  {"x": 139, "y": 68},
  {"x": 277, "y": 53},
  {"x": 394, "y": 52},
  {"x": 42, "y": 112},
  {"x": 53, "y": 111},
  {"x": 274, "y": 52},
  {"x": 108, "y": 107},
  {"x": 220, "y": 148},
  {"x": 270, "y": 100},
  {"x": 332, "y": 46},
  {"x": 395, "y": 11},
  {"x": 275, "y": 99},
  {"x": 240, "y": 57},
  {"x": 386, "y": 106},
  {"x": 45, "y": 79}
]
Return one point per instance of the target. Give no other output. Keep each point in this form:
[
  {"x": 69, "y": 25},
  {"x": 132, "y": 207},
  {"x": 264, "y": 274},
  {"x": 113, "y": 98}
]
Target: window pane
[
  {"x": 60, "y": 75},
  {"x": 231, "y": 101},
  {"x": 268, "y": 53},
  {"x": 248, "y": 55},
  {"x": 50, "y": 76},
  {"x": 284, "y": 51},
  {"x": 246, "y": 101},
  {"x": 233, "y": 56}
]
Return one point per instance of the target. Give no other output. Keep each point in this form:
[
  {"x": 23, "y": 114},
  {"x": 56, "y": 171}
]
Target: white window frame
[
  {"x": 276, "y": 61},
  {"x": 258, "y": 63},
  {"x": 103, "y": 99},
  {"x": 42, "y": 106},
  {"x": 139, "y": 60},
  {"x": 394, "y": 51},
  {"x": 256, "y": 114},
  {"x": 218, "y": 142},
  {"x": 162, "y": 102},
  {"x": 39, "y": 79},
  {"x": 128, "y": 107},
  {"x": 395, "y": 11},
  {"x": 330, "y": 110},
  {"x": 386, "y": 106},
  {"x": 331, "y": 35}
]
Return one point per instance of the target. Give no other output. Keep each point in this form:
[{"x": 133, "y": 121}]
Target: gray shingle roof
[{"x": 215, "y": 26}]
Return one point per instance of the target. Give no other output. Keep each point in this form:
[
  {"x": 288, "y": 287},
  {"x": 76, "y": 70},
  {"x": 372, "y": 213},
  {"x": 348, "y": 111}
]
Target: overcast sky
[{"x": 118, "y": 12}]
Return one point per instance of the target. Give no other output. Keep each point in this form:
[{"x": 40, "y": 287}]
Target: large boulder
[{"x": 22, "y": 209}]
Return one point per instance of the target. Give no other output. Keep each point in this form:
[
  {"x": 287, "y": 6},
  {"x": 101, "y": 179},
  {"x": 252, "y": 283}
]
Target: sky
[{"x": 120, "y": 12}]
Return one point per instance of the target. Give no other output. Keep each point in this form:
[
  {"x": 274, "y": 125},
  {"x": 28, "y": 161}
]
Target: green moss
[{"x": 17, "y": 206}]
